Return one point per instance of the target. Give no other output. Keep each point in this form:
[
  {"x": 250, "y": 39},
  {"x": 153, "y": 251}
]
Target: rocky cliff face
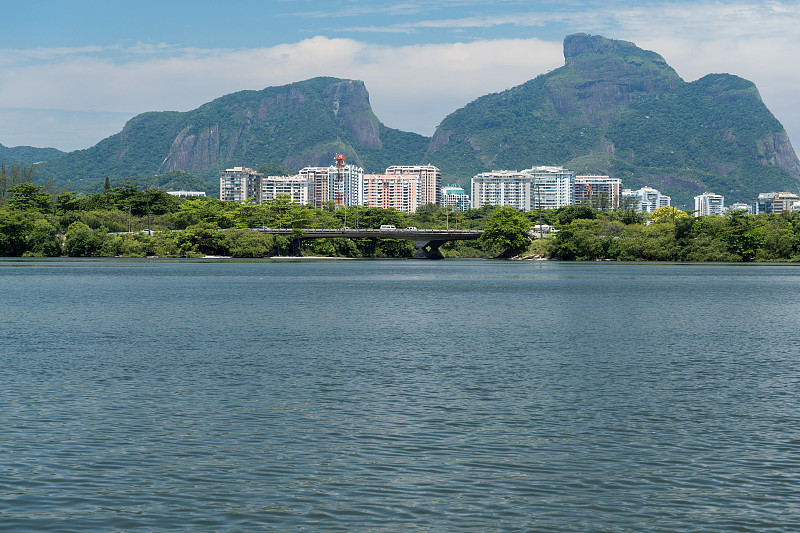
[
  {"x": 235, "y": 128},
  {"x": 600, "y": 75},
  {"x": 349, "y": 102}
]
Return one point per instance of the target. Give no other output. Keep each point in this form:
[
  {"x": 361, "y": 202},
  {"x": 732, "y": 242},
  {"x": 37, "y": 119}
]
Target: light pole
[{"x": 147, "y": 200}]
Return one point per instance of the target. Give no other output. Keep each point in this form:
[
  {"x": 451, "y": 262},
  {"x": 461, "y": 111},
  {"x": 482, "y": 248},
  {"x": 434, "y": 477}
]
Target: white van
[{"x": 387, "y": 227}]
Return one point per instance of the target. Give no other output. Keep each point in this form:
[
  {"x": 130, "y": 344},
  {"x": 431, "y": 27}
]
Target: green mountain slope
[
  {"x": 295, "y": 125},
  {"x": 27, "y": 155},
  {"x": 614, "y": 108}
]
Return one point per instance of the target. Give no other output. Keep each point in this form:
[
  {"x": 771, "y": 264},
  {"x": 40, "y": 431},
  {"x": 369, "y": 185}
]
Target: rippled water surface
[{"x": 407, "y": 396}]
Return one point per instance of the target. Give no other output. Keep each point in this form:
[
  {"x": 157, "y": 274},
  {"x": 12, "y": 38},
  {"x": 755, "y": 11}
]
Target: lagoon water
[{"x": 398, "y": 396}]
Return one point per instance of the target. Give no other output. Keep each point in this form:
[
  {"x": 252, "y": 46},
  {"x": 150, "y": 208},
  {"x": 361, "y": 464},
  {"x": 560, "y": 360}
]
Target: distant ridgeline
[{"x": 612, "y": 109}]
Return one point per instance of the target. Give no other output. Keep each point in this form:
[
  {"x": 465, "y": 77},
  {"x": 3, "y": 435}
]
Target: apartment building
[
  {"x": 502, "y": 187},
  {"x": 346, "y": 185},
  {"x": 600, "y": 192},
  {"x": 392, "y": 191},
  {"x": 774, "y": 202},
  {"x": 319, "y": 192},
  {"x": 645, "y": 200},
  {"x": 240, "y": 184},
  {"x": 551, "y": 187},
  {"x": 430, "y": 179},
  {"x": 297, "y": 188},
  {"x": 709, "y": 203},
  {"x": 454, "y": 196}
]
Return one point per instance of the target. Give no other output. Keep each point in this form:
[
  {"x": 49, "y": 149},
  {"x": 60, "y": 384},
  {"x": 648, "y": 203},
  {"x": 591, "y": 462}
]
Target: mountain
[
  {"x": 616, "y": 109},
  {"x": 296, "y": 125},
  {"x": 613, "y": 108},
  {"x": 27, "y": 155}
]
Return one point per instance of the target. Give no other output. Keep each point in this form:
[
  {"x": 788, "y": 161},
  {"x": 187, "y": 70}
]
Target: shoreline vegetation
[{"x": 127, "y": 221}]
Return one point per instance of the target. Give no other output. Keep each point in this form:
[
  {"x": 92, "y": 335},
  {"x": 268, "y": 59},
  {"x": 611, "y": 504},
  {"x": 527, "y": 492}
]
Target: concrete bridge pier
[{"x": 427, "y": 249}]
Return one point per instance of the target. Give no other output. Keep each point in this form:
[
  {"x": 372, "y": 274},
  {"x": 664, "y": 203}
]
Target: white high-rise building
[
  {"x": 502, "y": 187},
  {"x": 430, "y": 179},
  {"x": 240, "y": 184},
  {"x": 298, "y": 188},
  {"x": 551, "y": 187},
  {"x": 709, "y": 203},
  {"x": 346, "y": 185},
  {"x": 545, "y": 187},
  {"x": 646, "y": 199},
  {"x": 343, "y": 186}
]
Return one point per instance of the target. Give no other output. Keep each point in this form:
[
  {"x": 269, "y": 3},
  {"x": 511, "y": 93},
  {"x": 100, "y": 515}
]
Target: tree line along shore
[{"x": 129, "y": 221}]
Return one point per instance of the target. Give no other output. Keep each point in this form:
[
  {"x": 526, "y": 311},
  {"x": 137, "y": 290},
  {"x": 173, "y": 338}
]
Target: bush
[
  {"x": 43, "y": 240},
  {"x": 82, "y": 241},
  {"x": 248, "y": 243}
]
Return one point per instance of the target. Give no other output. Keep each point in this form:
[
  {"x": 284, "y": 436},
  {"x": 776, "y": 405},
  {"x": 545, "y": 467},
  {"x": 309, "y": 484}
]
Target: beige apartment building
[
  {"x": 392, "y": 191},
  {"x": 319, "y": 188},
  {"x": 601, "y": 192},
  {"x": 240, "y": 184},
  {"x": 430, "y": 179},
  {"x": 774, "y": 202}
]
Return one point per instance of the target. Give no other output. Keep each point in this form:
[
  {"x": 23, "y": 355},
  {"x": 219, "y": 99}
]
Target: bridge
[{"x": 427, "y": 241}]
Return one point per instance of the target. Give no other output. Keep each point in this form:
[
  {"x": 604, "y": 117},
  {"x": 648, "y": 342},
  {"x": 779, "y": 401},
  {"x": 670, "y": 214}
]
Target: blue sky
[{"x": 73, "y": 71}]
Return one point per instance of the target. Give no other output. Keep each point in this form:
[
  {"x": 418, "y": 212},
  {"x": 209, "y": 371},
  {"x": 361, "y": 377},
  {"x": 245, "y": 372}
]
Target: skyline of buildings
[
  {"x": 407, "y": 187},
  {"x": 647, "y": 199}
]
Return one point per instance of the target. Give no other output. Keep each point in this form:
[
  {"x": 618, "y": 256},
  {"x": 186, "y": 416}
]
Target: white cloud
[
  {"x": 414, "y": 87},
  {"x": 411, "y": 88}
]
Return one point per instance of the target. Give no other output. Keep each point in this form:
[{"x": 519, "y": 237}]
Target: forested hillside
[{"x": 297, "y": 125}]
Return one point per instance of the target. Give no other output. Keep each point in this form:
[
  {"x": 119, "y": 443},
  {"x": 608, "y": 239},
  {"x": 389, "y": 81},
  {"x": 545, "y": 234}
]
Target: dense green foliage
[
  {"x": 506, "y": 231},
  {"x": 733, "y": 238},
  {"x": 27, "y": 155},
  {"x": 115, "y": 223}
]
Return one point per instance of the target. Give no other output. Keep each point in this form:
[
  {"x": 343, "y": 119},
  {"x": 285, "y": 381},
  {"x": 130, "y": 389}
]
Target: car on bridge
[{"x": 387, "y": 227}]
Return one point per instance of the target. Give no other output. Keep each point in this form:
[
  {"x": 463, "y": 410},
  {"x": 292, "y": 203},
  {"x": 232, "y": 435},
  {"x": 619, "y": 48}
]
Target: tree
[
  {"x": 667, "y": 214},
  {"x": 565, "y": 215},
  {"x": 507, "y": 231},
  {"x": 9, "y": 177},
  {"x": 82, "y": 241},
  {"x": 29, "y": 197},
  {"x": 43, "y": 240},
  {"x": 14, "y": 226}
]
